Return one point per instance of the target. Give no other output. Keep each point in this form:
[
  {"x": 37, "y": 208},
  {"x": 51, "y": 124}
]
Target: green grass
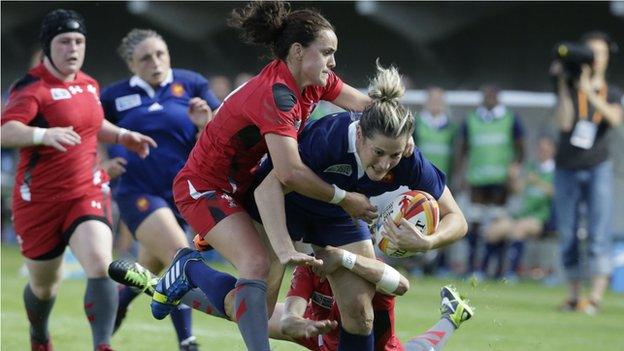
[{"x": 519, "y": 317}]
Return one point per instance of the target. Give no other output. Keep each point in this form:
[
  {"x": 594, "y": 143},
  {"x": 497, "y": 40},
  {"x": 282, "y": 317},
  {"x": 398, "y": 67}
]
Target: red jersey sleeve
[
  {"x": 22, "y": 106},
  {"x": 302, "y": 283},
  {"x": 278, "y": 112},
  {"x": 332, "y": 88}
]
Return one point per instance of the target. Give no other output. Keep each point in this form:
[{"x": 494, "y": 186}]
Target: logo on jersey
[
  {"x": 142, "y": 204},
  {"x": 343, "y": 168},
  {"x": 322, "y": 300},
  {"x": 127, "y": 102},
  {"x": 229, "y": 199},
  {"x": 177, "y": 89},
  {"x": 60, "y": 94},
  {"x": 75, "y": 89},
  {"x": 155, "y": 107}
]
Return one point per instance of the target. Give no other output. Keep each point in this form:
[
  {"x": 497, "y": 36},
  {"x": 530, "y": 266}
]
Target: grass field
[{"x": 508, "y": 318}]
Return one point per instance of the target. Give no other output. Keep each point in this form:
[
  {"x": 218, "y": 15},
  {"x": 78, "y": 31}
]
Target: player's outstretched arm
[
  {"x": 296, "y": 176},
  {"x": 294, "y": 326},
  {"x": 16, "y": 134},
  {"x": 386, "y": 279},
  {"x": 133, "y": 141},
  {"x": 269, "y": 197}
]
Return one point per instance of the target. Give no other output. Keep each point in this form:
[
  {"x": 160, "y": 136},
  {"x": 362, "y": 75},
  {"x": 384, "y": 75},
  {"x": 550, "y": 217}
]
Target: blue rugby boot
[{"x": 173, "y": 285}]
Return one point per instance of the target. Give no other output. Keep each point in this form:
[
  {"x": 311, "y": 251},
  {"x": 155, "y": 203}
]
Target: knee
[
  {"x": 97, "y": 267},
  {"x": 255, "y": 267},
  {"x": 45, "y": 291},
  {"x": 357, "y": 319}
]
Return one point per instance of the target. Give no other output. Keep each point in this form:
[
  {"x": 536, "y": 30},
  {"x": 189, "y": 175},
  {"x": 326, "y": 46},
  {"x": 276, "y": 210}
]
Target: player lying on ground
[{"x": 309, "y": 309}]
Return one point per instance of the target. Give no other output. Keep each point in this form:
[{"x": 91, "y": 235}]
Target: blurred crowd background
[{"x": 459, "y": 47}]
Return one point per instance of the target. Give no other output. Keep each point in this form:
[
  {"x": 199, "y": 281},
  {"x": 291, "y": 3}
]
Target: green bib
[
  {"x": 436, "y": 144},
  {"x": 535, "y": 202},
  {"x": 491, "y": 149}
]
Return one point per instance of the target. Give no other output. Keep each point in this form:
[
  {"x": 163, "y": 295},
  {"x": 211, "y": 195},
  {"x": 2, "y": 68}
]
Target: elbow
[
  {"x": 463, "y": 227},
  {"x": 289, "y": 178},
  {"x": 403, "y": 287}
]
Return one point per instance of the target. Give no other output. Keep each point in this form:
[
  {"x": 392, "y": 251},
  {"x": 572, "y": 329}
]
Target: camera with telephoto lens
[{"x": 572, "y": 56}]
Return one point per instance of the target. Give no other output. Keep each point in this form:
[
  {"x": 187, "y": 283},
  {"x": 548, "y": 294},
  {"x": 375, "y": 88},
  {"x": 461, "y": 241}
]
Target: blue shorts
[
  {"x": 134, "y": 208},
  {"x": 317, "y": 230},
  {"x": 321, "y": 231}
]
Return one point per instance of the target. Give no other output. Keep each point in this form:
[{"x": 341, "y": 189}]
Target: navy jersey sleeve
[
  {"x": 202, "y": 90},
  {"x": 425, "y": 176},
  {"x": 108, "y": 104}
]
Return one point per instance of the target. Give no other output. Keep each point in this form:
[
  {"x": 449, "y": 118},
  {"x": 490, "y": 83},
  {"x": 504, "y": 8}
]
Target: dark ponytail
[{"x": 273, "y": 24}]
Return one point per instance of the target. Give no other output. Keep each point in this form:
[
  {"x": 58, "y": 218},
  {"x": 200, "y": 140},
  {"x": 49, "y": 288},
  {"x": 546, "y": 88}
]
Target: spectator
[
  {"x": 588, "y": 106},
  {"x": 535, "y": 216},
  {"x": 435, "y": 135},
  {"x": 492, "y": 141}
]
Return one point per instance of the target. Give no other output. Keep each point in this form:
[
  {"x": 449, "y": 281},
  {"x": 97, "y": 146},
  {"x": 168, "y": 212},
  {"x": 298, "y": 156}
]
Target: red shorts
[
  {"x": 43, "y": 228},
  {"x": 202, "y": 209}
]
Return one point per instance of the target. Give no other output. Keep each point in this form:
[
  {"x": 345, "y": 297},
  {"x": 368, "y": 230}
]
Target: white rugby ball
[{"x": 418, "y": 207}]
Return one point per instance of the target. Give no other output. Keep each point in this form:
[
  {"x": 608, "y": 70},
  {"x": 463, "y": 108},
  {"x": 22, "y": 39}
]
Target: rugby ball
[{"x": 418, "y": 207}]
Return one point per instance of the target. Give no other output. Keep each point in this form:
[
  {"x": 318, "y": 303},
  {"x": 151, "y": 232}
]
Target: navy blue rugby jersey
[
  {"x": 327, "y": 146},
  {"x": 161, "y": 114}
]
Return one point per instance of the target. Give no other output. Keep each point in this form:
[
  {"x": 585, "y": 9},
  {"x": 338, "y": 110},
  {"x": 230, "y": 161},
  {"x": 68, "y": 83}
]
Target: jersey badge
[
  {"x": 343, "y": 168},
  {"x": 177, "y": 89},
  {"x": 60, "y": 94},
  {"x": 142, "y": 204},
  {"x": 127, "y": 102}
]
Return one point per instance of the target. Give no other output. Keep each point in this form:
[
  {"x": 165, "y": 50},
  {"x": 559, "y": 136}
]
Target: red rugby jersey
[
  {"x": 321, "y": 305},
  {"x": 232, "y": 144},
  {"x": 41, "y": 100}
]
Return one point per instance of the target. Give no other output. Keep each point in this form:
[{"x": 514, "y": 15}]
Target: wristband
[
  {"x": 339, "y": 195},
  {"x": 390, "y": 280},
  {"x": 348, "y": 259},
  {"x": 121, "y": 132},
  {"x": 38, "y": 135}
]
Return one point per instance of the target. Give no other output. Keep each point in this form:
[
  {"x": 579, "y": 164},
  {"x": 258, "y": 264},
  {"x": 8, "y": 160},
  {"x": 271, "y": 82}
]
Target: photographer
[{"x": 587, "y": 108}]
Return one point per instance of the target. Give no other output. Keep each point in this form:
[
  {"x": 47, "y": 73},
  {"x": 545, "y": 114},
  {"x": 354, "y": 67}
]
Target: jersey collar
[
  {"x": 352, "y": 136},
  {"x": 136, "y": 81},
  {"x": 47, "y": 76},
  {"x": 497, "y": 112},
  {"x": 436, "y": 122}
]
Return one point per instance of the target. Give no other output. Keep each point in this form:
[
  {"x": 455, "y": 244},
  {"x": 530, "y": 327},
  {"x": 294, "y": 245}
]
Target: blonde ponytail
[{"x": 386, "y": 115}]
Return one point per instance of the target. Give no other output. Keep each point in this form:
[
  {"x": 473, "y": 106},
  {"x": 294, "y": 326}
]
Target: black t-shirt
[{"x": 572, "y": 157}]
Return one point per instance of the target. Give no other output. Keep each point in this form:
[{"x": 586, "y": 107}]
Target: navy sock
[
  {"x": 126, "y": 295},
  {"x": 181, "y": 318},
  {"x": 354, "y": 342},
  {"x": 515, "y": 255},
  {"x": 214, "y": 284}
]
